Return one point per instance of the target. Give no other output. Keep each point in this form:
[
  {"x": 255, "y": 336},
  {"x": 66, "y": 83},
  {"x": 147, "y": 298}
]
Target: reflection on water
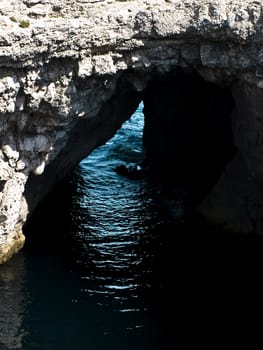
[{"x": 113, "y": 218}]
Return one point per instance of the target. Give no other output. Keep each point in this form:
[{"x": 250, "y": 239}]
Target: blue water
[{"x": 119, "y": 263}]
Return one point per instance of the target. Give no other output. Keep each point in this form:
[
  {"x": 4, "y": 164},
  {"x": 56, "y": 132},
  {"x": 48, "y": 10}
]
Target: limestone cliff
[{"x": 72, "y": 71}]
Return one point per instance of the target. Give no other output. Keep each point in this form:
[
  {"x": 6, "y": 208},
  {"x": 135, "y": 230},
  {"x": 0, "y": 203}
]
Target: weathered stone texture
[{"x": 62, "y": 63}]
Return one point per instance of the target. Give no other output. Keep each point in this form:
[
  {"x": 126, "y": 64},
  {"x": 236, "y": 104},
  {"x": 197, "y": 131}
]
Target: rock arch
[{"x": 72, "y": 76}]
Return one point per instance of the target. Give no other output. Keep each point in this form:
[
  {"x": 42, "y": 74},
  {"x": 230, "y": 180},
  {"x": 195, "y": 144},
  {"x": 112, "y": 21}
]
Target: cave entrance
[{"x": 186, "y": 139}]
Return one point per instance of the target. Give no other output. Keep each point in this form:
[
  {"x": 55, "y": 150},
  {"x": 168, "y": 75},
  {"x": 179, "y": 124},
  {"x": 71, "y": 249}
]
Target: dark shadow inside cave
[{"x": 188, "y": 136}]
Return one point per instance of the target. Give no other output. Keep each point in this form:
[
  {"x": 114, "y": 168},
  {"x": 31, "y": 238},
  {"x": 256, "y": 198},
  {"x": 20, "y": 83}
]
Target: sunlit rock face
[{"x": 72, "y": 71}]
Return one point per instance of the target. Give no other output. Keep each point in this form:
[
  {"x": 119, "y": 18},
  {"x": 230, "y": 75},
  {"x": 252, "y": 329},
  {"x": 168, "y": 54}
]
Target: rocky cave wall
[{"x": 72, "y": 71}]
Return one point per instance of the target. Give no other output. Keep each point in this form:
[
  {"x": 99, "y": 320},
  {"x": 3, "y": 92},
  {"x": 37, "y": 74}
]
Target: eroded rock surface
[{"x": 72, "y": 71}]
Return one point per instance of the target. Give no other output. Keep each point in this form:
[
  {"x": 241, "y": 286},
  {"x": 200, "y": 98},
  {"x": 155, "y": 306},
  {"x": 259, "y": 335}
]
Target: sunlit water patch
[{"x": 113, "y": 221}]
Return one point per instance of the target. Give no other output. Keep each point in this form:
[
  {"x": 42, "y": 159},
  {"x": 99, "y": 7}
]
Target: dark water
[{"x": 122, "y": 263}]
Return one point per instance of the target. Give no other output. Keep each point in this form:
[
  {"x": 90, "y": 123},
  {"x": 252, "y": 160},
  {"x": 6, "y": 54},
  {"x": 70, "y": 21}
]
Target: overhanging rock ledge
[{"x": 71, "y": 72}]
